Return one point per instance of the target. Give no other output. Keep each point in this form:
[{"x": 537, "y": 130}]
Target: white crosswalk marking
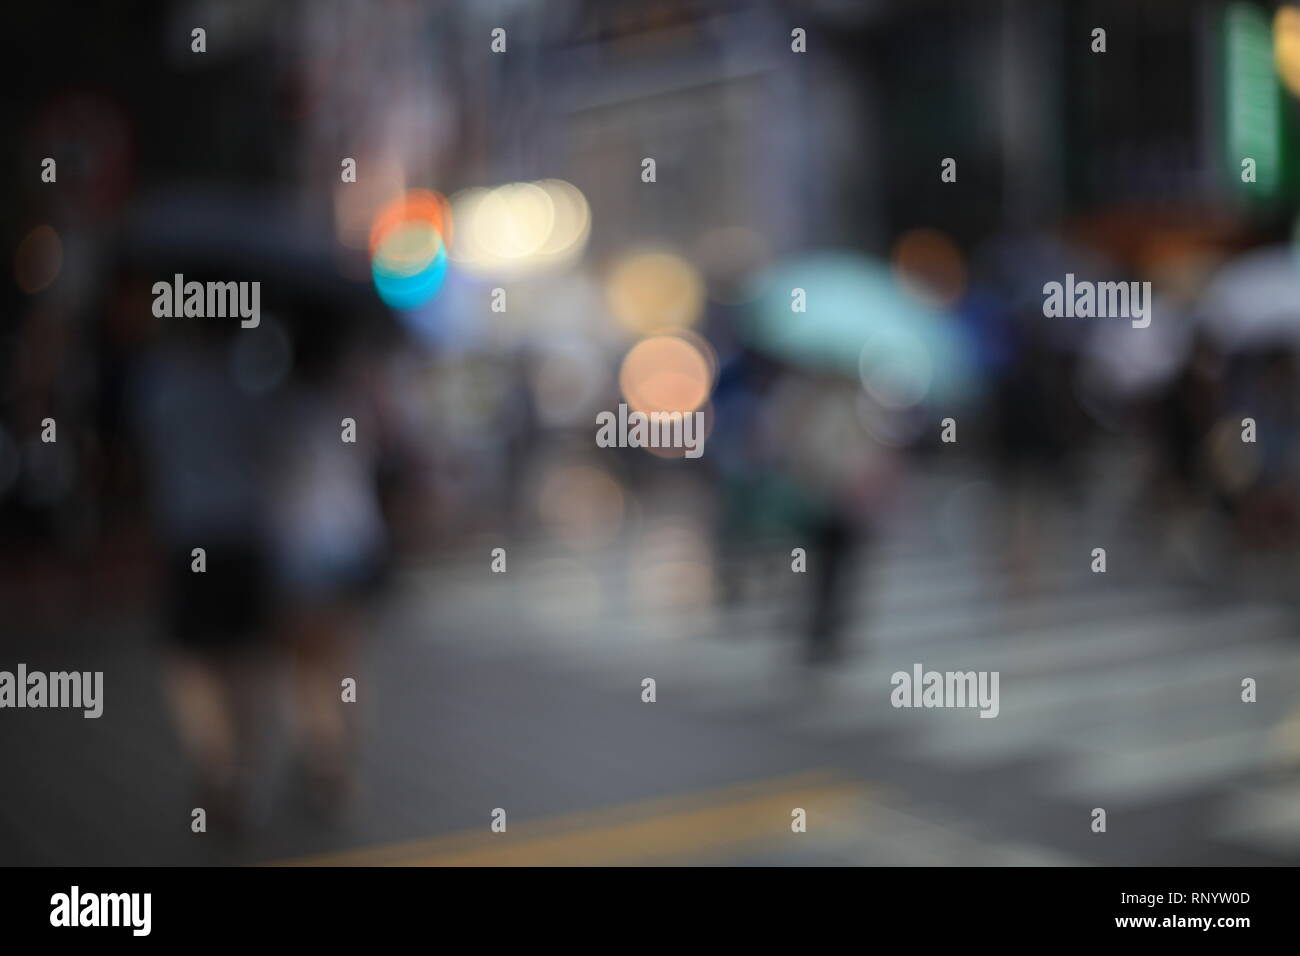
[{"x": 1129, "y": 684}]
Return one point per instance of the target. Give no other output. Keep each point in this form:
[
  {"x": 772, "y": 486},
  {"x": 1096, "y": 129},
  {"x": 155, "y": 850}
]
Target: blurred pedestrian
[{"x": 204, "y": 446}]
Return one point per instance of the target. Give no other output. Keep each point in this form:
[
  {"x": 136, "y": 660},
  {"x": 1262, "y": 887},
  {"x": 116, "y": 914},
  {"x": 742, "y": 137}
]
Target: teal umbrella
[{"x": 858, "y": 321}]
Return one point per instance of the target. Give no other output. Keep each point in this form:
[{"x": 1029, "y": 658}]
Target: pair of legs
[
  {"x": 836, "y": 543},
  {"x": 223, "y": 700},
  {"x": 220, "y": 700},
  {"x": 321, "y": 646}
]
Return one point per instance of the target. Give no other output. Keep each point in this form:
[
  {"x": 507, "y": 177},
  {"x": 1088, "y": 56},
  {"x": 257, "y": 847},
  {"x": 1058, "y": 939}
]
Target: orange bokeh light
[
  {"x": 416, "y": 205},
  {"x": 665, "y": 373}
]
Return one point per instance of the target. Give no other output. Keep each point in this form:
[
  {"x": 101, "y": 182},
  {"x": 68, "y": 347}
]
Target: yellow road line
[{"x": 679, "y": 827}]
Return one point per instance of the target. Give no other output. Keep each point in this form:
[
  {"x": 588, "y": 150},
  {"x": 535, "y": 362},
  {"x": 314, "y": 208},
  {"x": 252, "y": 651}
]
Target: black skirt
[{"x": 228, "y": 604}]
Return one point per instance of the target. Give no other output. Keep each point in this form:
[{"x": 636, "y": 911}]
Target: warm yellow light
[
  {"x": 513, "y": 221},
  {"x": 572, "y": 218},
  {"x": 519, "y": 228},
  {"x": 653, "y": 291},
  {"x": 1286, "y": 47}
]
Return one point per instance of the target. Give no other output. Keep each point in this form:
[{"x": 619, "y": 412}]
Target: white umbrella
[{"x": 1254, "y": 300}]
